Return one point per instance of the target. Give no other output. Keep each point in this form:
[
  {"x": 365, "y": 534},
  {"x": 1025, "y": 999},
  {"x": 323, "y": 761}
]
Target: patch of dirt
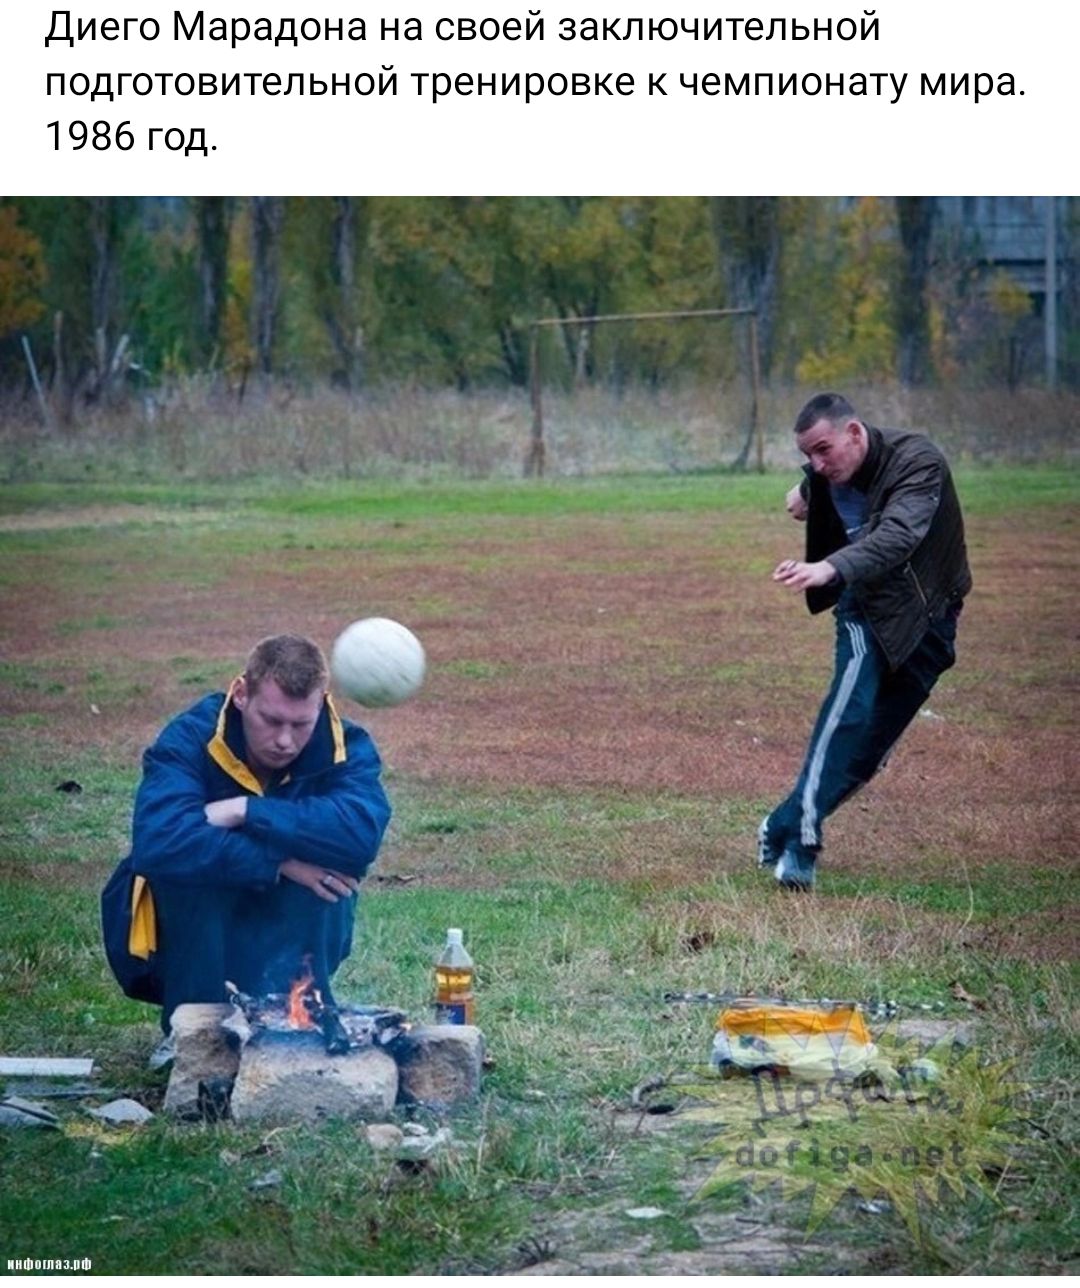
[
  {"x": 1049, "y": 936},
  {"x": 62, "y": 876},
  {"x": 603, "y": 1240},
  {"x": 645, "y": 655},
  {"x": 730, "y": 1249},
  {"x": 90, "y": 516}
]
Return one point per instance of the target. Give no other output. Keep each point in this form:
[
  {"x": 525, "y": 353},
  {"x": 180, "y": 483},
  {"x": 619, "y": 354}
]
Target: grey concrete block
[
  {"x": 290, "y": 1078},
  {"x": 122, "y": 1112},
  {"x": 15, "y": 1111}
]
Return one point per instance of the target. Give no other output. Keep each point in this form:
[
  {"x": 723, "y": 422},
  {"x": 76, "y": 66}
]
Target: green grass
[
  {"x": 575, "y": 936},
  {"x": 571, "y": 972},
  {"x": 991, "y": 490}
]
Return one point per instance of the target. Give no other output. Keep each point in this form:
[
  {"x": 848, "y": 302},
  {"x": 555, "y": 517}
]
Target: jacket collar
[
  {"x": 227, "y": 748},
  {"x": 863, "y": 478}
]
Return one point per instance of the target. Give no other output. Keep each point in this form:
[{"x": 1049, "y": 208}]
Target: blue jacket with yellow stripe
[{"x": 328, "y": 807}]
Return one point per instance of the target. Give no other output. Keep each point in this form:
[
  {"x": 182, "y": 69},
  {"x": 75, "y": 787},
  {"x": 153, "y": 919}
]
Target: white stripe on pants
[{"x": 836, "y": 711}]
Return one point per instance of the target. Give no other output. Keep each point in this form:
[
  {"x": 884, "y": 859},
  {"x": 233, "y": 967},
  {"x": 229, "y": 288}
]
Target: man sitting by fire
[{"x": 258, "y": 813}]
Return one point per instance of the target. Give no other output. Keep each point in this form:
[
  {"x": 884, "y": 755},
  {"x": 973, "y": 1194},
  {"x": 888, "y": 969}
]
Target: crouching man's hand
[
  {"x": 324, "y": 882},
  {"x": 227, "y": 813}
]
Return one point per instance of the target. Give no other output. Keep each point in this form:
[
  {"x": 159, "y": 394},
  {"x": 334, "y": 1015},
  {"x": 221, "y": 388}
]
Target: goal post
[{"x": 536, "y": 455}]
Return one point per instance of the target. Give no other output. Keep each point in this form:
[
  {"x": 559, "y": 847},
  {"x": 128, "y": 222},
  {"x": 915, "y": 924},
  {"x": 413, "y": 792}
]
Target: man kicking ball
[{"x": 885, "y": 550}]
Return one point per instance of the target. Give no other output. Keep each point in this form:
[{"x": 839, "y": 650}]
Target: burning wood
[
  {"x": 303, "y": 1009},
  {"x": 303, "y": 996},
  {"x": 243, "y": 1002}
]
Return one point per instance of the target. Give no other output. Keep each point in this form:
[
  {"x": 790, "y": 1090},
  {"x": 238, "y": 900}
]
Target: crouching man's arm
[{"x": 338, "y": 829}]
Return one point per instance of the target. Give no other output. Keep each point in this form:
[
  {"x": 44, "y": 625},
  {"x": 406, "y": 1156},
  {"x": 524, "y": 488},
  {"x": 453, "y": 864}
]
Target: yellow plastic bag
[{"x": 820, "y": 1041}]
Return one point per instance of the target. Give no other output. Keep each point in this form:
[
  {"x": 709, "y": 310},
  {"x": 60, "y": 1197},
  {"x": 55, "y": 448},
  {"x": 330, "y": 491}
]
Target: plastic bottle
[{"x": 454, "y": 982}]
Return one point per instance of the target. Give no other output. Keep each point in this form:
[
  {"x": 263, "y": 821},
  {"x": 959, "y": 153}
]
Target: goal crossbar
[{"x": 534, "y": 461}]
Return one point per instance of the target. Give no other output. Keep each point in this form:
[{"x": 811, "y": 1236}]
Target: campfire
[
  {"x": 303, "y": 1011},
  {"x": 298, "y": 1056}
]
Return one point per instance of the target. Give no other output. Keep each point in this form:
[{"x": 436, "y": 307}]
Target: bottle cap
[{"x": 454, "y": 936}]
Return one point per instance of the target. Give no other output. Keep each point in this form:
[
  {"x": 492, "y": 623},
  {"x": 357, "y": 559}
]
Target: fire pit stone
[
  {"x": 259, "y": 1059},
  {"x": 205, "y": 1054},
  {"x": 439, "y": 1064},
  {"x": 292, "y": 1077}
]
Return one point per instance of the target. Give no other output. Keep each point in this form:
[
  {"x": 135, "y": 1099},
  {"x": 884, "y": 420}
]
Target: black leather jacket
[{"x": 909, "y": 566}]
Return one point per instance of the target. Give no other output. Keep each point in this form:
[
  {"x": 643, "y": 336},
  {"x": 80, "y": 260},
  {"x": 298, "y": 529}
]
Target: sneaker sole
[{"x": 792, "y": 883}]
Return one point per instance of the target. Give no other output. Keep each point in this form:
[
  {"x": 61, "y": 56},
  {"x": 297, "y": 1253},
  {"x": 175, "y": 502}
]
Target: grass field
[{"x": 617, "y": 692}]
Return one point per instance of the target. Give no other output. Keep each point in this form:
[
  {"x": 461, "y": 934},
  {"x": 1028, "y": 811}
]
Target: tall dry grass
[{"x": 197, "y": 427}]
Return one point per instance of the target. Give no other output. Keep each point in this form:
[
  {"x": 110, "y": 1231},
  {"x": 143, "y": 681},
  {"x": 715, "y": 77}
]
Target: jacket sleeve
[
  {"x": 172, "y": 839},
  {"x": 342, "y": 827},
  {"x": 906, "y": 516}
]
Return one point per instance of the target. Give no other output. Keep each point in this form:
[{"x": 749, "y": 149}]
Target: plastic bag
[{"x": 821, "y": 1041}]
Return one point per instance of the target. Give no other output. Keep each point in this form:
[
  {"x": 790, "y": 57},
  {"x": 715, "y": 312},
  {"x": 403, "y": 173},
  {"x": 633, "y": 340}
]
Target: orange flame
[{"x": 299, "y": 1016}]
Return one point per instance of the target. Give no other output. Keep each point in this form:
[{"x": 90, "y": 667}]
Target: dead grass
[{"x": 198, "y": 427}]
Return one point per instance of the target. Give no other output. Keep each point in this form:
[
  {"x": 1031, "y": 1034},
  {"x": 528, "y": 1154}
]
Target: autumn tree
[
  {"x": 267, "y": 221},
  {"x": 337, "y": 272},
  {"x": 849, "y": 319},
  {"x": 212, "y": 217},
  {"x": 22, "y": 274},
  {"x": 915, "y": 218},
  {"x": 747, "y": 236}
]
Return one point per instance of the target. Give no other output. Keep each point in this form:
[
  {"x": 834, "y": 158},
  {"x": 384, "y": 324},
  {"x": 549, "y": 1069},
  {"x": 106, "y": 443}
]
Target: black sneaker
[
  {"x": 794, "y": 872},
  {"x": 767, "y": 854}
]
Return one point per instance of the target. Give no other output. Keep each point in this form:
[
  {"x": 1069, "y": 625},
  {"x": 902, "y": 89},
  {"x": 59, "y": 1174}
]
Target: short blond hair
[{"x": 296, "y": 664}]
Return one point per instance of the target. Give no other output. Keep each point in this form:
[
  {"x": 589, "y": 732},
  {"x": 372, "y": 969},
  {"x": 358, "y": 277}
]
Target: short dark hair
[
  {"x": 295, "y": 663},
  {"x": 831, "y": 407}
]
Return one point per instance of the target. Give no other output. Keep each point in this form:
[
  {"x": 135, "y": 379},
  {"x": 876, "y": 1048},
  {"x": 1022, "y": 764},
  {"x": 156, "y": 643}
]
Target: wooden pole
[
  {"x": 1050, "y": 308},
  {"x": 666, "y": 316},
  {"x": 755, "y": 405},
  {"x": 45, "y": 415},
  {"x": 534, "y": 464}
]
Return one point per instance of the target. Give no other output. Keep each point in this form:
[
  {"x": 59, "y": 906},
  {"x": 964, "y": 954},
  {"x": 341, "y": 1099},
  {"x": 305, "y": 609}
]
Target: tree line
[{"x": 99, "y": 293}]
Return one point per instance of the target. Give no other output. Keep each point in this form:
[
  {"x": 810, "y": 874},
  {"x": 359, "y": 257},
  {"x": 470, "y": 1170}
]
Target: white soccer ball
[{"x": 377, "y": 662}]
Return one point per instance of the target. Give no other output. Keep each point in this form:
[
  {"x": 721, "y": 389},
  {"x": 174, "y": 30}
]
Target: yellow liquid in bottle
[{"x": 453, "y": 994}]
